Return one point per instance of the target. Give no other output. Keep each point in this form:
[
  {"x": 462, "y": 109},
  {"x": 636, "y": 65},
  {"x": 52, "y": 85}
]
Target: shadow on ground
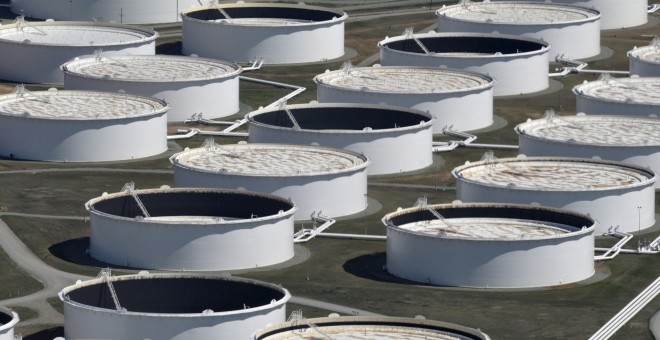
[
  {"x": 46, "y": 334},
  {"x": 76, "y": 251}
]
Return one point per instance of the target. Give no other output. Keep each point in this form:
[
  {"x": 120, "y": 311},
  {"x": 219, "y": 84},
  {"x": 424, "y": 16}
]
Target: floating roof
[
  {"x": 264, "y": 14},
  {"x": 148, "y": 68},
  {"x": 269, "y": 160},
  {"x": 518, "y": 13},
  {"x": 74, "y": 33},
  {"x": 554, "y": 174},
  {"x": 649, "y": 53},
  {"x": 619, "y": 131},
  {"x": 635, "y": 90},
  {"x": 394, "y": 79},
  {"x": 79, "y": 105}
]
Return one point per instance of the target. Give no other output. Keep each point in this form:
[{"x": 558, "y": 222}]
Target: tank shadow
[
  {"x": 372, "y": 267},
  {"x": 46, "y": 334},
  {"x": 76, "y": 251}
]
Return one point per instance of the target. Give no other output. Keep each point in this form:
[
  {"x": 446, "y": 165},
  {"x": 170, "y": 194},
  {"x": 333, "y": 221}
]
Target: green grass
[{"x": 15, "y": 281}]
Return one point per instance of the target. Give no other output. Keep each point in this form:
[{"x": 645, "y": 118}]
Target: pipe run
[
  {"x": 653, "y": 8},
  {"x": 305, "y": 235},
  {"x": 612, "y": 252},
  {"x": 188, "y": 133},
  {"x": 467, "y": 142},
  {"x": 576, "y": 66}
]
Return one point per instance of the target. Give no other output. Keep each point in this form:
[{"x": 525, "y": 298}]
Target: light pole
[{"x": 639, "y": 228}]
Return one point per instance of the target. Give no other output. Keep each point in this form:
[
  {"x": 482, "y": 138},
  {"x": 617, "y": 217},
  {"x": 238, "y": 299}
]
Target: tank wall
[
  {"x": 83, "y": 140},
  {"x": 391, "y": 152},
  {"x": 645, "y": 156},
  {"x": 334, "y": 194},
  {"x": 468, "y": 110},
  {"x": 513, "y": 74},
  {"x": 276, "y": 45},
  {"x": 573, "y": 40},
  {"x": 26, "y": 63},
  {"x": 489, "y": 263},
  {"x": 81, "y": 323},
  {"x": 616, "y": 207},
  {"x": 186, "y": 246},
  {"x": 120, "y": 11},
  {"x": 642, "y": 68},
  {"x": 594, "y": 106},
  {"x": 213, "y": 98}
]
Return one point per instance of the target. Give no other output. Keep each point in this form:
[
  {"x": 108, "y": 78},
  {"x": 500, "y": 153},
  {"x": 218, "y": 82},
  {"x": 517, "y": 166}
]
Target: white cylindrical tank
[
  {"x": 455, "y": 98},
  {"x": 8, "y": 320},
  {"x": 635, "y": 96},
  {"x": 490, "y": 245},
  {"x": 195, "y": 229},
  {"x": 274, "y": 33},
  {"x": 121, "y": 11},
  {"x": 192, "y": 86},
  {"x": 615, "y": 14},
  {"x": 368, "y": 327},
  {"x": 572, "y": 31},
  {"x": 645, "y": 61},
  {"x": 170, "y": 306},
  {"x": 317, "y": 179},
  {"x": 617, "y": 195},
  {"x": 518, "y": 64},
  {"x": 81, "y": 126},
  {"x": 634, "y": 140},
  {"x": 33, "y": 52},
  {"x": 395, "y": 139}
]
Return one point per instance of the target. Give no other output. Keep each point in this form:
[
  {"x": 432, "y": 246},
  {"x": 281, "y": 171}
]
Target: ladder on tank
[
  {"x": 105, "y": 275},
  {"x": 130, "y": 188},
  {"x": 408, "y": 33},
  {"x": 296, "y": 318}
]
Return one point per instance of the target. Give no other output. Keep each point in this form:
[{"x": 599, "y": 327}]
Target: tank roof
[
  {"x": 342, "y": 117},
  {"x": 635, "y": 90},
  {"x": 74, "y": 33},
  {"x": 489, "y": 221},
  {"x": 160, "y": 295},
  {"x": 372, "y": 328},
  {"x": 272, "y": 160},
  {"x": 518, "y": 13},
  {"x": 8, "y": 319},
  {"x": 79, "y": 105},
  {"x": 151, "y": 68},
  {"x": 205, "y": 206},
  {"x": 465, "y": 44},
  {"x": 395, "y": 79},
  {"x": 622, "y": 131},
  {"x": 264, "y": 14},
  {"x": 649, "y": 53},
  {"x": 554, "y": 174}
]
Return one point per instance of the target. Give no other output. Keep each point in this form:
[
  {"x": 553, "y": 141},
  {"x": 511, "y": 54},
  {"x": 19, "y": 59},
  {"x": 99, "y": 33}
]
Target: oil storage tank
[
  {"x": 195, "y": 229},
  {"x": 32, "y": 52},
  {"x": 170, "y": 306},
  {"x": 572, "y": 31},
  {"x": 192, "y": 86},
  {"x": 8, "y": 320},
  {"x": 317, "y": 179},
  {"x": 518, "y": 64},
  {"x": 645, "y": 61},
  {"x": 629, "y": 139},
  {"x": 274, "y": 33},
  {"x": 366, "y": 327},
  {"x": 615, "y": 194},
  {"x": 395, "y": 139},
  {"x": 461, "y": 99},
  {"x": 81, "y": 126},
  {"x": 633, "y": 96},
  {"x": 615, "y": 14},
  {"x": 121, "y": 11},
  {"x": 510, "y": 246}
]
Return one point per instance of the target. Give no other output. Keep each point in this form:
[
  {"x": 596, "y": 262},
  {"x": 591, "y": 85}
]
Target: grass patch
[{"x": 15, "y": 281}]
